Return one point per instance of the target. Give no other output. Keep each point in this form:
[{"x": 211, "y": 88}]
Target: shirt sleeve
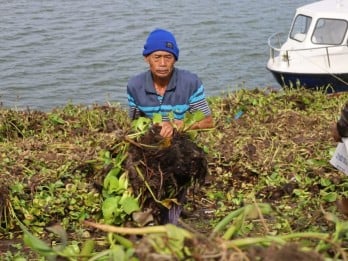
[
  {"x": 133, "y": 111},
  {"x": 198, "y": 102}
]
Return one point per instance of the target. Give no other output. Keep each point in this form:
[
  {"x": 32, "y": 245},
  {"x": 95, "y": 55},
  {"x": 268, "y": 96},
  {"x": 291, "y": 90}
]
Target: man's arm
[
  {"x": 168, "y": 127},
  {"x": 206, "y": 123}
]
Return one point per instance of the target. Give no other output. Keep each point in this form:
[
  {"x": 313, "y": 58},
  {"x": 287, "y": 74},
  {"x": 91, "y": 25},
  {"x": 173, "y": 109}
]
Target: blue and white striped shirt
[{"x": 185, "y": 92}]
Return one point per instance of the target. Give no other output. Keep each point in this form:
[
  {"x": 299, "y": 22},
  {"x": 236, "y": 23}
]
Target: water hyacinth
[{"x": 269, "y": 181}]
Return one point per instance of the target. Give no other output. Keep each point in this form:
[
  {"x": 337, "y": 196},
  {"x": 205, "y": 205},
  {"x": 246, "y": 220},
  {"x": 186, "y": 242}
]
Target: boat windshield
[
  {"x": 300, "y": 27},
  {"x": 329, "y": 31}
]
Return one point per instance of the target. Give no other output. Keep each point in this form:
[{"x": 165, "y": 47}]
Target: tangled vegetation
[{"x": 270, "y": 191}]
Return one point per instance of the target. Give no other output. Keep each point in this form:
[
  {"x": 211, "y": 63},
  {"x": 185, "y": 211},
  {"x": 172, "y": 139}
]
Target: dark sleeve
[
  {"x": 133, "y": 110},
  {"x": 342, "y": 123}
]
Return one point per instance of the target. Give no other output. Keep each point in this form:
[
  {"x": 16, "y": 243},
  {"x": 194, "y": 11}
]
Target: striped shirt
[{"x": 184, "y": 93}]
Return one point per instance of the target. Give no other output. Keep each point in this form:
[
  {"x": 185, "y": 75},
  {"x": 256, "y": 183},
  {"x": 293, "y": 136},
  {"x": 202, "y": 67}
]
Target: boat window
[
  {"x": 300, "y": 27},
  {"x": 329, "y": 31}
]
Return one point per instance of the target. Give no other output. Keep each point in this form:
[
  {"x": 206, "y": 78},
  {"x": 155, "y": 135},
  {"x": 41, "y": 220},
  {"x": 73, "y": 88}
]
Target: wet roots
[{"x": 161, "y": 170}]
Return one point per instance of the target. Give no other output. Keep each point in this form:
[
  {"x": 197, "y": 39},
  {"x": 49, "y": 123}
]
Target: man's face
[{"x": 161, "y": 63}]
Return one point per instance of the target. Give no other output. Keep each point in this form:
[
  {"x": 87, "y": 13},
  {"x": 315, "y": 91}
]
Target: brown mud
[{"x": 169, "y": 167}]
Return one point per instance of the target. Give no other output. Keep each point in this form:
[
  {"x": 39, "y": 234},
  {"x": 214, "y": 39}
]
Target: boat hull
[{"x": 326, "y": 82}]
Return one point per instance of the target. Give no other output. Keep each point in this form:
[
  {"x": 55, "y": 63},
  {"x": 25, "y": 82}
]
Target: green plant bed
[{"x": 270, "y": 183}]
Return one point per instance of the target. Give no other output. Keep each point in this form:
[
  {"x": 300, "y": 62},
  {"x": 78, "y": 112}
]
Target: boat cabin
[
  {"x": 315, "y": 52},
  {"x": 321, "y": 23}
]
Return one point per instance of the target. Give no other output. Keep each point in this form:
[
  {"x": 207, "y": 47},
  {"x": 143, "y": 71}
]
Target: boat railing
[{"x": 276, "y": 40}]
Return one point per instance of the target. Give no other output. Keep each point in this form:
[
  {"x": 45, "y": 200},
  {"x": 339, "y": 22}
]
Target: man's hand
[{"x": 168, "y": 128}]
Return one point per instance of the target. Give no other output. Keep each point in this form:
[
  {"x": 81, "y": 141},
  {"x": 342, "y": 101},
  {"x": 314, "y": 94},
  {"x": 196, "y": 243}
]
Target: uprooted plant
[{"x": 161, "y": 170}]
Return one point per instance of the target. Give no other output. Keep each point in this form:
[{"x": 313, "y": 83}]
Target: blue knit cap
[{"x": 161, "y": 40}]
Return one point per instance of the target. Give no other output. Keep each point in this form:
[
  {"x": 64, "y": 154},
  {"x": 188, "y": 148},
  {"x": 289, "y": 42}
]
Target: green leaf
[
  {"x": 17, "y": 187},
  {"x": 70, "y": 251},
  {"x": 171, "y": 116},
  {"x": 177, "y": 238},
  {"x": 192, "y": 118},
  {"x": 121, "y": 156},
  {"x": 114, "y": 171},
  {"x": 177, "y": 233},
  {"x": 123, "y": 241},
  {"x": 141, "y": 124},
  {"x": 117, "y": 252},
  {"x": 111, "y": 209},
  {"x": 325, "y": 182},
  {"x": 56, "y": 119},
  {"x": 37, "y": 244},
  {"x": 157, "y": 118},
  {"x": 130, "y": 204},
  {"x": 87, "y": 248},
  {"x": 111, "y": 184},
  {"x": 329, "y": 197}
]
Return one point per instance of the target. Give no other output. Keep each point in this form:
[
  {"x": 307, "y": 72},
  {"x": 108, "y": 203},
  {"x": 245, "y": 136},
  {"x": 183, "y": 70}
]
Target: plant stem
[
  {"x": 127, "y": 230},
  {"x": 242, "y": 242}
]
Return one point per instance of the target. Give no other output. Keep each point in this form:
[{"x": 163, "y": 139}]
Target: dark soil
[
  {"x": 169, "y": 167},
  {"x": 289, "y": 252}
]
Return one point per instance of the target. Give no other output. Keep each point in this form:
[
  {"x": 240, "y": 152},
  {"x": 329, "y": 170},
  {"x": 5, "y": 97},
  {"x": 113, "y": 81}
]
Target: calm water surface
[{"x": 83, "y": 51}]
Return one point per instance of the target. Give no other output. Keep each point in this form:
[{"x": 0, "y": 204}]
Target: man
[{"x": 165, "y": 89}]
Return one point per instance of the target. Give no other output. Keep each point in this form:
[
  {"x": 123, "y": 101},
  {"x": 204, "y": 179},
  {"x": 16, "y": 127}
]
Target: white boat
[{"x": 314, "y": 54}]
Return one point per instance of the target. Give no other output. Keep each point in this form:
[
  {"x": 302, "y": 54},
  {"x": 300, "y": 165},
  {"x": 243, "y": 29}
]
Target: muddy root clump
[{"x": 161, "y": 170}]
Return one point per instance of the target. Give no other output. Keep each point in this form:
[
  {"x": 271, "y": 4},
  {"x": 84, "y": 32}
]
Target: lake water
[{"x": 83, "y": 51}]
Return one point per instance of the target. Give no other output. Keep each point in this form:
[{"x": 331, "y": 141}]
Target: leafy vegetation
[{"x": 270, "y": 191}]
